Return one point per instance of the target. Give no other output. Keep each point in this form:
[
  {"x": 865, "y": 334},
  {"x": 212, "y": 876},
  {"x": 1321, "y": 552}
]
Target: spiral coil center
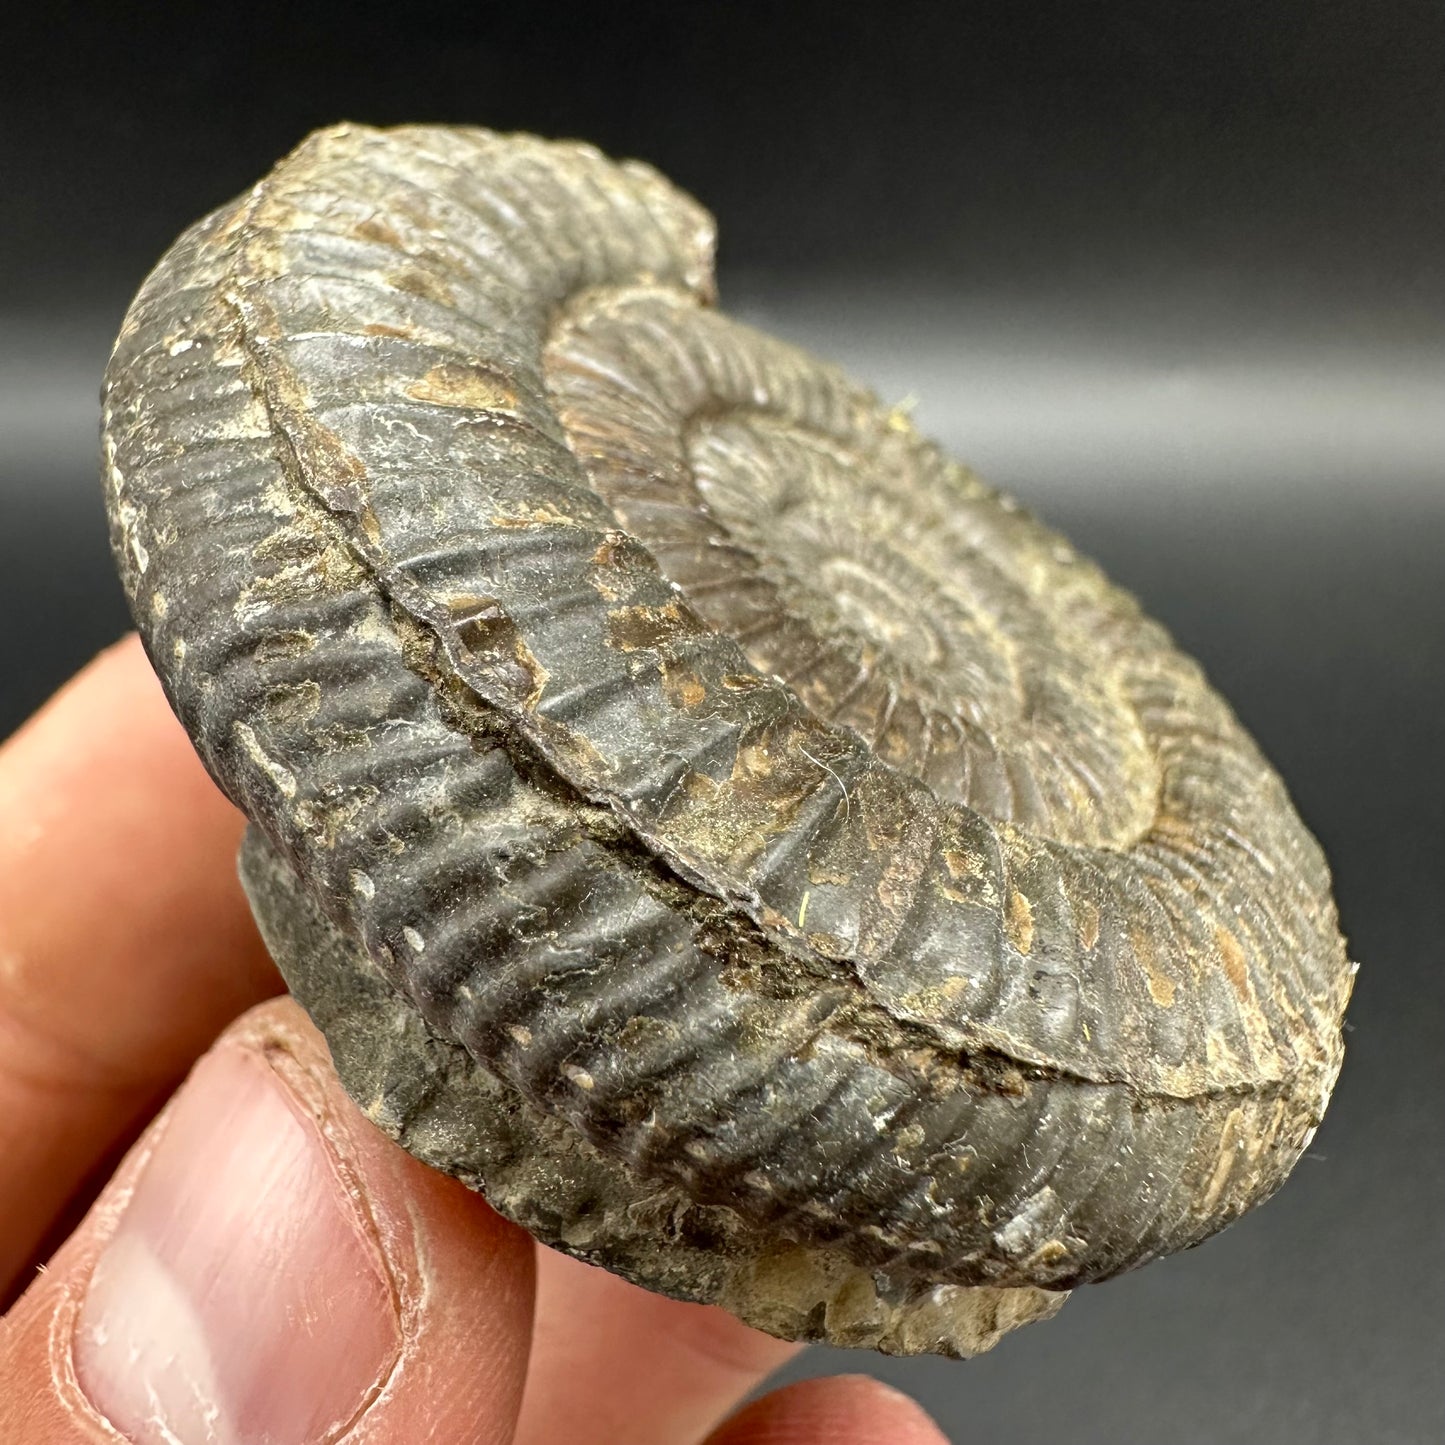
[{"x": 849, "y": 559}]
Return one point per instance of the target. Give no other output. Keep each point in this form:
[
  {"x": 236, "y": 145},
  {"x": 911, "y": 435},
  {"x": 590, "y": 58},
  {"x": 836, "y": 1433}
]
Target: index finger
[{"x": 126, "y": 943}]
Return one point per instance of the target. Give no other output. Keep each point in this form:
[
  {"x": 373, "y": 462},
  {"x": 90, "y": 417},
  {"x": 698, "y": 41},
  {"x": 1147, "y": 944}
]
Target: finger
[
  {"x": 268, "y": 1266},
  {"x": 843, "y": 1410},
  {"x": 125, "y": 940},
  {"x": 612, "y": 1363}
]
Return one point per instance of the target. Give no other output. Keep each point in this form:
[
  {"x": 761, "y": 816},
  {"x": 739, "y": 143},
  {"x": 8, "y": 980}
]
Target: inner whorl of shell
[
  {"x": 742, "y": 787},
  {"x": 850, "y": 559}
]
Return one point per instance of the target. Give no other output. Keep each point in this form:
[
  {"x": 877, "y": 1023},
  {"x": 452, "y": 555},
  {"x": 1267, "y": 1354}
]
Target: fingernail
[{"x": 242, "y": 1298}]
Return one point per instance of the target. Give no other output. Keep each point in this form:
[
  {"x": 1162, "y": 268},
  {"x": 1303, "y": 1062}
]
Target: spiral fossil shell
[{"x": 700, "y": 815}]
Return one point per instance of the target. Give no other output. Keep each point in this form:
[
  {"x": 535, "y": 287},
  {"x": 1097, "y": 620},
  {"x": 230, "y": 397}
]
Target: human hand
[{"x": 265, "y": 1267}]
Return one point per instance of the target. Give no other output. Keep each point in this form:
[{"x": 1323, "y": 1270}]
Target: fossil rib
[{"x": 759, "y": 856}]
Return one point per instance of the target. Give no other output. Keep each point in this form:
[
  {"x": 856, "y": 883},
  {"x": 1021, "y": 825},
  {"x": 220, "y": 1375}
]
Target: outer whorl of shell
[{"x": 762, "y": 858}]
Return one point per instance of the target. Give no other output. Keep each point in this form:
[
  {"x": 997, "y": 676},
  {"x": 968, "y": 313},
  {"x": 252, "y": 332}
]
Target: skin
[{"x": 127, "y": 955}]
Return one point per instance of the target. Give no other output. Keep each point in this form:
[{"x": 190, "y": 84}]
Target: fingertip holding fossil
[
  {"x": 242, "y": 1294},
  {"x": 761, "y": 858}
]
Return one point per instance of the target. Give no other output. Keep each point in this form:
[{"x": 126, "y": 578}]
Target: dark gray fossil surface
[{"x": 760, "y": 857}]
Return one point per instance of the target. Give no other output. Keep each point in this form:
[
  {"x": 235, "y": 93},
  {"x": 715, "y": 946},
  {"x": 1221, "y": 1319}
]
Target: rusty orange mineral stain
[
  {"x": 421, "y": 283},
  {"x": 487, "y": 635},
  {"x": 1020, "y": 921},
  {"x": 631, "y": 628},
  {"x": 1232, "y": 956},
  {"x": 543, "y": 516},
  {"x": 380, "y": 328},
  {"x": 377, "y": 231},
  {"x": 452, "y": 384},
  {"x": 1229, "y": 1141},
  {"x": 610, "y": 550},
  {"x": 959, "y": 864},
  {"x": 683, "y": 687},
  {"x": 1161, "y": 986}
]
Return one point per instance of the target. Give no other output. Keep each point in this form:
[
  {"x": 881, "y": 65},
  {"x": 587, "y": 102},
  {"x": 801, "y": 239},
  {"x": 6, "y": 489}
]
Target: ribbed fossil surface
[{"x": 759, "y": 856}]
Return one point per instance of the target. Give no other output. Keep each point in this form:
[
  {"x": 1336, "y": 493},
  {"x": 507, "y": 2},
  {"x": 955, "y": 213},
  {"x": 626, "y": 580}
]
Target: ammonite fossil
[{"x": 761, "y": 858}]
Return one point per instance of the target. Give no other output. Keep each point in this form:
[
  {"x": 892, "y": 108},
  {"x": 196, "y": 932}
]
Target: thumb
[{"x": 265, "y": 1265}]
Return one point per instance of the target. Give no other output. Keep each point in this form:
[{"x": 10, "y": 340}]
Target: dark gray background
[{"x": 1171, "y": 273}]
